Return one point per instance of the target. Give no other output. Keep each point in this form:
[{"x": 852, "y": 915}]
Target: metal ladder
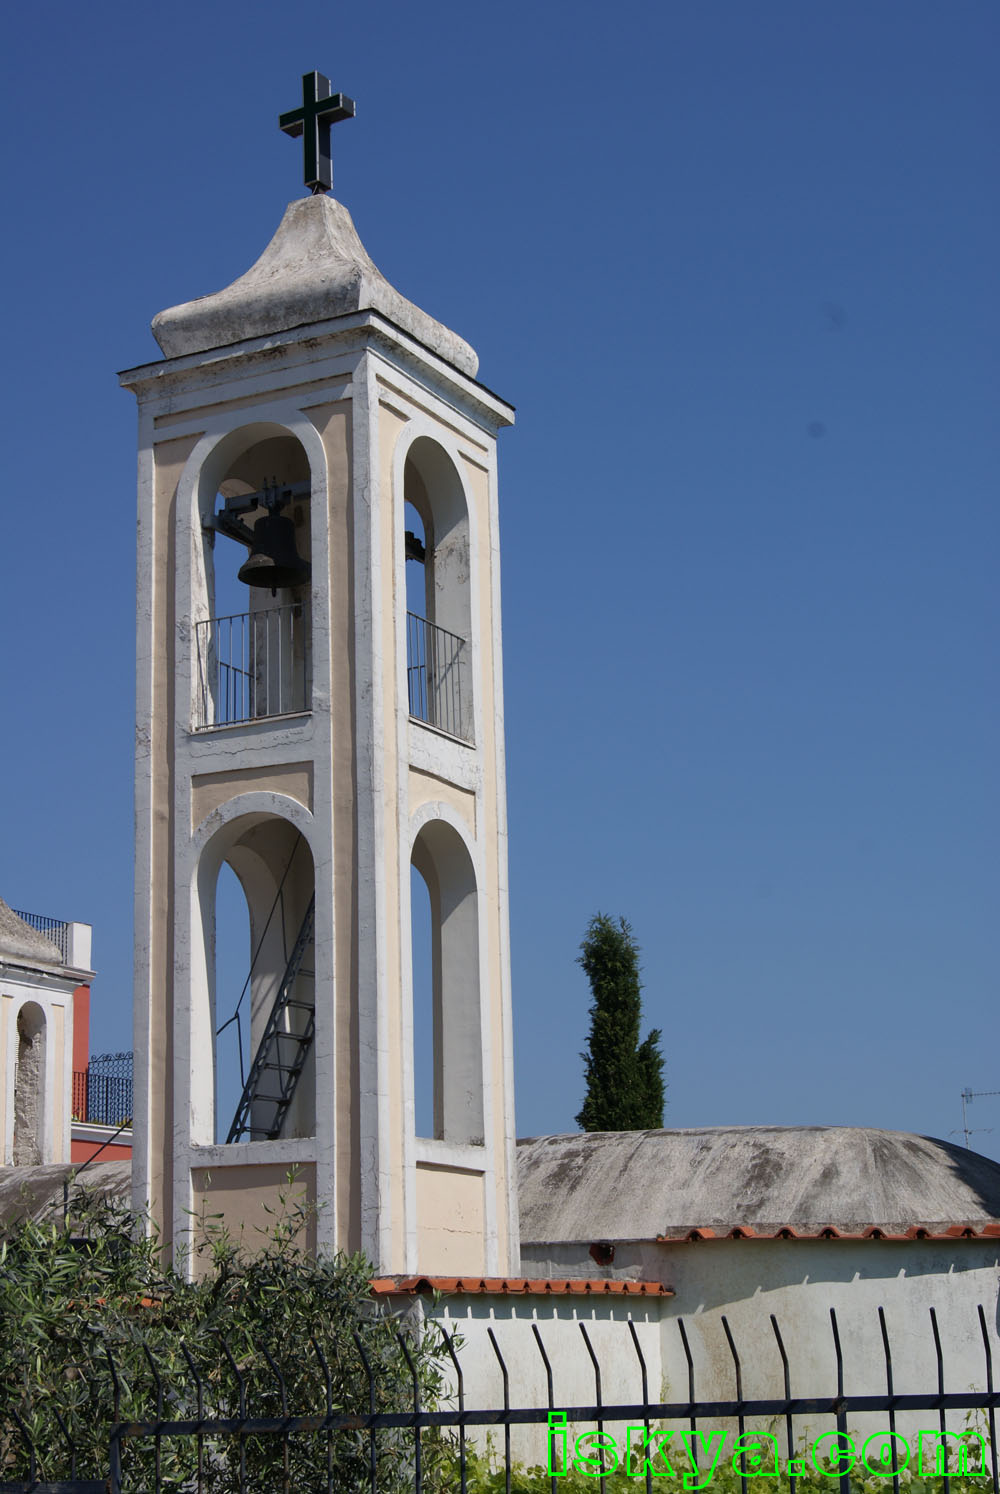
[{"x": 282, "y": 1052}]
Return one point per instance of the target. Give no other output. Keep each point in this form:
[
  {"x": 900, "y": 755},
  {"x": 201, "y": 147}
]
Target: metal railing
[
  {"x": 102, "y": 1092},
  {"x": 215, "y": 1422},
  {"x": 56, "y": 930},
  {"x": 436, "y": 664},
  {"x": 253, "y": 664}
]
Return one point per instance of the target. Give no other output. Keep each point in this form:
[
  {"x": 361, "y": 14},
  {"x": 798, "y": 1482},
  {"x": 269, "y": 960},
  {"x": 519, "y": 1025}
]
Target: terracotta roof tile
[
  {"x": 519, "y": 1286},
  {"x": 989, "y": 1230}
]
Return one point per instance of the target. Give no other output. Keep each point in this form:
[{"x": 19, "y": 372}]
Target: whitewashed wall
[{"x": 745, "y": 1281}]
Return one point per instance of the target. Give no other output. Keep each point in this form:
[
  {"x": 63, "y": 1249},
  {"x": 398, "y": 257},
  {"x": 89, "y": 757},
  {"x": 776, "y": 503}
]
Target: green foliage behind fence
[{"x": 75, "y": 1298}]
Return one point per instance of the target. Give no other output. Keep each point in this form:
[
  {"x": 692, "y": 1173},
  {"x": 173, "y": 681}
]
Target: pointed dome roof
[
  {"x": 313, "y": 269},
  {"x": 21, "y": 942}
]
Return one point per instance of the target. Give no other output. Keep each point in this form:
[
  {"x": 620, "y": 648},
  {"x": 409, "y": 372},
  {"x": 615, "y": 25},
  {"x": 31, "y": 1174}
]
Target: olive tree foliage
[
  {"x": 77, "y": 1298},
  {"x": 625, "y": 1087}
]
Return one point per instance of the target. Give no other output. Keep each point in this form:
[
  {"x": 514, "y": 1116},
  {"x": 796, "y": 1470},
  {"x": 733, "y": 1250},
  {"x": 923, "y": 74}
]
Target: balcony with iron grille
[
  {"x": 252, "y": 665},
  {"x": 102, "y": 1092},
  {"x": 56, "y": 930},
  {"x": 438, "y": 677},
  {"x": 71, "y": 939}
]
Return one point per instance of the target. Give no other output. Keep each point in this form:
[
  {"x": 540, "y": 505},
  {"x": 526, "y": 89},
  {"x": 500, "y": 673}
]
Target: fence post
[
  {"x": 417, "y": 1447},
  {"x": 461, "y": 1406},
  {"x": 845, "y": 1478},
  {"x": 506, "y": 1410},
  {"x": 645, "y": 1410},
  {"x": 789, "y": 1429}
]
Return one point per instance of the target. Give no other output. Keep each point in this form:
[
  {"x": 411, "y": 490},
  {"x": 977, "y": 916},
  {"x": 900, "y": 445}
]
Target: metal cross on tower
[{"x": 320, "y": 109}]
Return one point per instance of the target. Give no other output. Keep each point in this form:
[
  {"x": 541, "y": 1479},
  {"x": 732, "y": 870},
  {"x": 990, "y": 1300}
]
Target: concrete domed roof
[
  {"x": 19, "y": 941},
  {"x": 644, "y": 1185},
  {"x": 315, "y": 268}
]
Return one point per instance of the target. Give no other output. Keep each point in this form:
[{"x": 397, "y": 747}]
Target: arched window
[
  {"x": 29, "y": 1087},
  {"x": 438, "y": 632},
  {"x": 443, "y": 862},
  {"x": 253, "y": 648},
  {"x": 425, "y": 1065},
  {"x": 261, "y": 969},
  {"x": 233, "y": 953}
]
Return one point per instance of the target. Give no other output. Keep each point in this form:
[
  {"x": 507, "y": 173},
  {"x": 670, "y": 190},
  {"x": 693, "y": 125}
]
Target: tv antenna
[{"x": 968, "y": 1095}]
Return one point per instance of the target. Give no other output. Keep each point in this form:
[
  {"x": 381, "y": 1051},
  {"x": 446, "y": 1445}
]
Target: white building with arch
[
  {"x": 306, "y": 726},
  {"x": 44, "y": 970}
]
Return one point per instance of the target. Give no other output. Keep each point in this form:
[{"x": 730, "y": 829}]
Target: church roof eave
[{"x": 162, "y": 378}]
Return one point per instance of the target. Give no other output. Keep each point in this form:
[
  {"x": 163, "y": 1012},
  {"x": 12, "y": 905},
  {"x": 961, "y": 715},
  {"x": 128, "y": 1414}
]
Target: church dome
[
  {"x": 21, "y": 943},
  {"x": 315, "y": 268},
  {"x": 755, "y": 1180}
]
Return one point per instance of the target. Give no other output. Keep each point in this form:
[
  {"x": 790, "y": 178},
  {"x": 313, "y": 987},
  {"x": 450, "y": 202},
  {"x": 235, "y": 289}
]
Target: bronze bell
[{"x": 273, "y": 560}]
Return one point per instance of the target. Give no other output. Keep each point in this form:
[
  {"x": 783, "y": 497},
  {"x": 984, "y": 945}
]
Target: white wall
[
  {"x": 54, "y": 995},
  {"x": 558, "y": 1320},
  {"x": 745, "y": 1281}
]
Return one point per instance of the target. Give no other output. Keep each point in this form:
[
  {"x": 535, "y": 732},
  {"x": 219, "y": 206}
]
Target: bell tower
[{"x": 309, "y": 438}]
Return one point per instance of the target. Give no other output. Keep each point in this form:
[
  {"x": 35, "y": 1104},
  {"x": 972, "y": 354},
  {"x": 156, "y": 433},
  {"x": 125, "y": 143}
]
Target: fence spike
[
  {"x": 989, "y": 1390},
  {"x": 691, "y": 1400},
  {"x": 200, "y": 1394},
  {"x": 943, "y": 1418},
  {"x": 845, "y": 1478},
  {"x": 372, "y": 1450},
  {"x": 506, "y": 1410},
  {"x": 887, "y": 1351},
  {"x": 328, "y": 1383},
  {"x": 740, "y": 1421},
  {"x": 72, "y": 1445},
  {"x": 449, "y": 1345},
  {"x": 645, "y": 1405},
  {"x": 417, "y": 1446},
  {"x": 553, "y": 1486},
  {"x": 157, "y": 1441},
  {"x": 786, "y": 1376},
  {"x": 600, "y": 1401}
]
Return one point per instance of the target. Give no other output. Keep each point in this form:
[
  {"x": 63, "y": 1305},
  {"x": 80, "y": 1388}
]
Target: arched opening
[
  {"x": 254, "y": 646},
  {"x": 233, "y": 955},
  {"x": 29, "y": 1087},
  {"x": 443, "y": 863},
  {"x": 416, "y": 561},
  {"x": 424, "y": 1065},
  {"x": 258, "y": 893},
  {"x": 439, "y": 661}
]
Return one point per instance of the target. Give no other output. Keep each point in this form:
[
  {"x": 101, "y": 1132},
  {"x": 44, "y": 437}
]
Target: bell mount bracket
[{"x": 273, "y": 496}]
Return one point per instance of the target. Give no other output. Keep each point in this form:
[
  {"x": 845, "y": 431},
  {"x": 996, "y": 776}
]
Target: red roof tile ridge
[
  {"x": 540, "y": 1286},
  {"x": 980, "y": 1230}
]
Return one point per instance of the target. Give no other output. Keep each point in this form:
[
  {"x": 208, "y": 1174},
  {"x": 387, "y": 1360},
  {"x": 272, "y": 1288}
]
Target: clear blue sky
[{"x": 736, "y": 265}]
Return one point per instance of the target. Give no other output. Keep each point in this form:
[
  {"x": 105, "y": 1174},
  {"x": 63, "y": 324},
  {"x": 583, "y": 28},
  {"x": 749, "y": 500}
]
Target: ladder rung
[{"x": 270, "y": 1053}]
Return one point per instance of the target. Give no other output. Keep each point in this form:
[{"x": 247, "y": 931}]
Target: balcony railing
[
  {"x": 436, "y": 676},
  {"x": 54, "y": 929},
  {"x": 253, "y": 664},
  {"x": 102, "y": 1092}
]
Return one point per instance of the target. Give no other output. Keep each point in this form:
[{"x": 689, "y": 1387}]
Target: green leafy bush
[{"x": 75, "y": 1298}]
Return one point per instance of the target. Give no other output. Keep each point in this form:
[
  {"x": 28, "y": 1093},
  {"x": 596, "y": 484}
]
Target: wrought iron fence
[
  {"x": 436, "y": 661},
  {"x": 102, "y": 1093},
  {"x": 54, "y": 929},
  {"x": 253, "y": 664},
  {"x": 427, "y": 1448}
]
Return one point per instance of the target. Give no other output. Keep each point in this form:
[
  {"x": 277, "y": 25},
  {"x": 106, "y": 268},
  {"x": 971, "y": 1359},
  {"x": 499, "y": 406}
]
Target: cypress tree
[{"x": 625, "y": 1089}]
